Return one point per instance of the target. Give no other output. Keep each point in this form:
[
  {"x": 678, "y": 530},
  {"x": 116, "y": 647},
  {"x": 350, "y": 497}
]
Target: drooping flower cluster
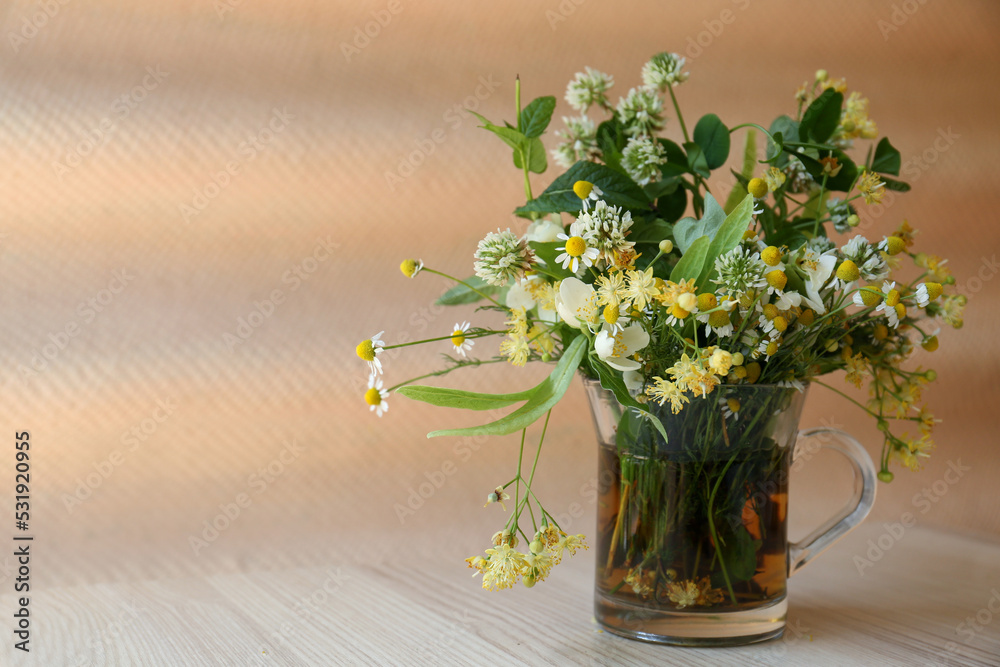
[{"x": 504, "y": 565}]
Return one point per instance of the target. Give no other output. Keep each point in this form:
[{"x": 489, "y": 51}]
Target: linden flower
[
  {"x": 497, "y": 496},
  {"x": 503, "y": 568},
  {"x": 610, "y": 288},
  {"x": 774, "y": 178},
  {"x": 576, "y": 250},
  {"x": 376, "y": 395},
  {"x": 576, "y": 303},
  {"x": 616, "y": 350},
  {"x": 458, "y": 339},
  {"x": 871, "y": 186},
  {"x": 369, "y": 350},
  {"x": 641, "y": 288},
  {"x": 664, "y": 390},
  {"x": 689, "y": 593}
]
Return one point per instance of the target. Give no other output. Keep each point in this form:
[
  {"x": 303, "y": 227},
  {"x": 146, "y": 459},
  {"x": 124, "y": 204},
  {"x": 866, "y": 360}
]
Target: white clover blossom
[
  {"x": 740, "y": 272},
  {"x": 663, "y": 70},
  {"x": 589, "y": 88},
  {"x": 604, "y": 228},
  {"x": 839, "y": 212},
  {"x": 799, "y": 180},
  {"x": 501, "y": 257},
  {"x": 642, "y": 158},
  {"x": 641, "y": 111},
  {"x": 580, "y": 141}
]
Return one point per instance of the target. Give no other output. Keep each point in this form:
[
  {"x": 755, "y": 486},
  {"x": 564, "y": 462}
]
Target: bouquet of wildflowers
[{"x": 770, "y": 284}]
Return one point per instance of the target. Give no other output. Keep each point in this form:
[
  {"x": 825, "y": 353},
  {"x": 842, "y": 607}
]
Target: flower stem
[{"x": 461, "y": 282}]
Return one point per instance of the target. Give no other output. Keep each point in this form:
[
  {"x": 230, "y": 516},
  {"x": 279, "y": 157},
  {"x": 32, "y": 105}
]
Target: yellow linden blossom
[
  {"x": 913, "y": 451},
  {"x": 503, "y": 568},
  {"x": 953, "y": 309},
  {"x": 672, "y": 292},
  {"x": 872, "y": 187},
  {"x": 537, "y": 567},
  {"x": 906, "y": 233},
  {"x": 641, "y": 288},
  {"x": 856, "y": 369},
  {"x": 775, "y": 178},
  {"x": 624, "y": 260},
  {"x": 641, "y": 582},
  {"x": 689, "y": 593},
  {"x": 935, "y": 266},
  {"x": 515, "y": 347},
  {"x": 611, "y": 290},
  {"x": 542, "y": 292},
  {"x": 540, "y": 339},
  {"x": 854, "y": 121},
  {"x": 664, "y": 390},
  {"x": 691, "y": 375}
]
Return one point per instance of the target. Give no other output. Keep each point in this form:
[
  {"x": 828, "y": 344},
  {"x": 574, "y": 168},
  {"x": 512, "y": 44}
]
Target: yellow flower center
[
  {"x": 900, "y": 310},
  {"x": 870, "y": 297},
  {"x": 934, "y": 290},
  {"x": 757, "y": 187},
  {"x": 894, "y": 245},
  {"x": 679, "y": 312},
  {"x": 373, "y": 396},
  {"x": 881, "y": 332},
  {"x": 771, "y": 255},
  {"x": 777, "y": 279},
  {"x": 930, "y": 344},
  {"x": 457, "y": 337},
  {"x": 807, "y": 317},
  {"x": 576, "y": 246},
  {"x": 611, "y": 313},
  {"x": 707, "y": 301},
  {"x": 848, "y": 271},
  {"x": 718, "y": 319},
  {"x": 734, "y": 404},
  {"x": 780, "y": 323},
  {"x": 892, "y": 298},
  {"x": 583, "y": 189},
  {"x": 408, "y": 267},
  {"x": 770, "y": 311},
  {"x": 772, "y": 348},
  {"x": 366, "y": 350}
]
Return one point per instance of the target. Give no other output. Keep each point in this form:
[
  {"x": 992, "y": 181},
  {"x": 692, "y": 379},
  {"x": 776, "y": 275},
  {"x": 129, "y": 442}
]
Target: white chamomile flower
[
  {"x": 458, "y": 339},
  {"x": 923, "y": 298},
  {"x": 888, "y": 305},
  {"x": 369, "y": 349},
  {"x": 587, "y": 192},
  {"x": 575, "y": 251},
  {"x": 730, "y": 408},
  {"x": 376, "y": 395}
]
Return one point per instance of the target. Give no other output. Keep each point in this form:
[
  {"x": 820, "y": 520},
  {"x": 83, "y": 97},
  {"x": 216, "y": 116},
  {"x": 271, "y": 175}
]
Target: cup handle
[{"x": 800, "y": 553}]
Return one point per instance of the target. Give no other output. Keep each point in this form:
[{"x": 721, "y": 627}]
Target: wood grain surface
[{"x": 171, "y": 366}]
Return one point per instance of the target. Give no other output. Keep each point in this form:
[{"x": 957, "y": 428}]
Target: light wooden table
[{"x": 355, "y": 609}]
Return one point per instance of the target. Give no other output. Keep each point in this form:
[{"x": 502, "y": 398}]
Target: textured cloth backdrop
[{"x": 197, "y": 227}]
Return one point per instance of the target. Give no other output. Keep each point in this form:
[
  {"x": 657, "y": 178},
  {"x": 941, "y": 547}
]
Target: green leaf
[
  {"x": 676, "y": 159},
  {"x": 713, "y": 136},
  {"x": 693, "y": 261},
  {"x": 739, "y": 552},
  {"x": 611, "y": 140},
  {"x": 510, "y": 136},
  {"x": 613, "y": 382},
  {"x": 822, "y": 117},
  {"x": 652, "y": 232},
  {"x": 696, "y": 161},
  {"x": 688, "y": 230},
  {"x": 466, "y": 400},
  {"x": 672, "y": 206},
  {"x": 536, "y": 116},
  {"x": 536, "y": 156},
  {"x": 894, "y": 185},
  {"x": 887, "y": 159},
  {"x": 542, "y": 398},
  {"x": 727, "y": 238},
  {"x": 462, "y": 294},
  {"x": 618, "y": 189},
  {"x": 783, "y": 129},
  {"x": 844, "y": 179},
  {"x": 749, "y": 163},
  {"x": 548, "y": 252}
]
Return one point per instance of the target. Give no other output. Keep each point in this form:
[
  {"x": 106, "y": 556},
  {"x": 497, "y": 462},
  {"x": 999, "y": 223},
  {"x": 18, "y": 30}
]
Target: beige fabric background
[{"x": 320, "y": 182}]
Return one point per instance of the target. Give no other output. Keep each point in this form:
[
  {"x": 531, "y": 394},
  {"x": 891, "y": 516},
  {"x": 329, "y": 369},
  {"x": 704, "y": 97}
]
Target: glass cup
[{"x": 692, "y": 545}]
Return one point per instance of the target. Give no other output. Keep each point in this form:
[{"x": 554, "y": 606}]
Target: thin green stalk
[{"x": 461, "y": 282}]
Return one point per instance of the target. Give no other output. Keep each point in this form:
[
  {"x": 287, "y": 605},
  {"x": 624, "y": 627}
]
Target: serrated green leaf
[
  {"x": 536, "y": 116},
  {"x": 822, "y": 117},
  {"x": 461, "y": 294},
  {"x": 692, "y": 262},
  {"x": 727, "y": 238},
  {"x": 542, "y": 399},
  {"x": 618, "y": 189},
  {"x": 689, "y": 230},
  {"x": 749, "y": 164},
  {"x": 466, "y": 400},
  {"x": 887, "y": 159},
  {"x": 713, "y": 137}
]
